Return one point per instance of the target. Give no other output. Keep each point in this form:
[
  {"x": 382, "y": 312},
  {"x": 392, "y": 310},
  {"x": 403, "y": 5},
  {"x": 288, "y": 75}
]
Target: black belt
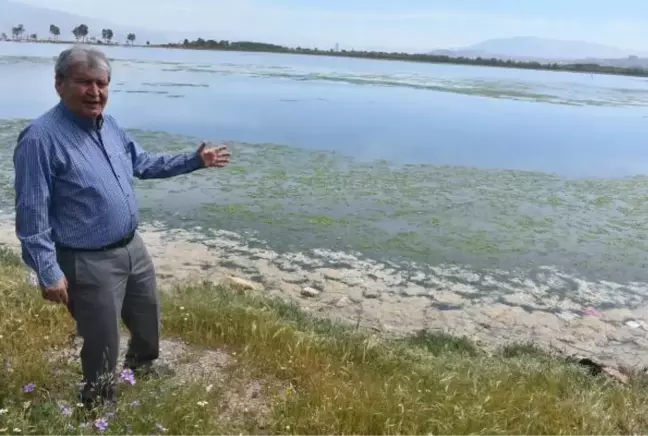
[{"x": 119, "y": 244}]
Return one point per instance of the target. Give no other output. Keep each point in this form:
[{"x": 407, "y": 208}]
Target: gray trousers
[{"x": 104, "y": 286}]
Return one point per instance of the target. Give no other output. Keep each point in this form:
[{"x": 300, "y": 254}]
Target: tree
[
  {"x": 83, "y": 29},
  {"x": 131, "y": 38},
  {"x": 33, "y": 36},
  {"x": 80, "y": 32},
  {"x": 55, "y": 31},
  {"x": 3, "y": 37},
  {"x": 107, "y": 35},
  {"x": 18, "y": 31}
]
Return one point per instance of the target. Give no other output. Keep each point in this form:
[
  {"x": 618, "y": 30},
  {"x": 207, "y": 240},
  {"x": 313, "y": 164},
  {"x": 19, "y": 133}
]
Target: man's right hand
[{"x": 57, "y": 292}]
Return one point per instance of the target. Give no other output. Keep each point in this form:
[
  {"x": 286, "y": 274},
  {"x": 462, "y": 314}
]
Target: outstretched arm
[
  {"x": 33, "y": 183},
  {"x": 147, "y": 165}
]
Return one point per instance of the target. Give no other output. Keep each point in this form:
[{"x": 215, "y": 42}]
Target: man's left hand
[{"x": 214, "y": 156}]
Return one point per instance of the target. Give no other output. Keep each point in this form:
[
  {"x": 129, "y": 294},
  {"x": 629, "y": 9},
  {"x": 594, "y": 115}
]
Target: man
[{"x": 77, "y": 218}]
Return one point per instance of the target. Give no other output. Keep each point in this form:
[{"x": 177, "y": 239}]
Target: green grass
[{"x": 316, "y": 377}]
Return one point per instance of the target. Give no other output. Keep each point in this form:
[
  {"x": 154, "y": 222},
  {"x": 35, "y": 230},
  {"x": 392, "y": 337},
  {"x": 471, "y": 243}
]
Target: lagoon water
[
  {"x": 572, "y": 124},
  {"x": 434, "y": 164}
]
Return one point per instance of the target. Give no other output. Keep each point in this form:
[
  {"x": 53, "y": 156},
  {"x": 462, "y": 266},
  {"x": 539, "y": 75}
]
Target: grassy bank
[{"x": 310, "y": 377}]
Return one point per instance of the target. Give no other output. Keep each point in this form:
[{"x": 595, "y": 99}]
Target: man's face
[{"x": 84, "y": 91}]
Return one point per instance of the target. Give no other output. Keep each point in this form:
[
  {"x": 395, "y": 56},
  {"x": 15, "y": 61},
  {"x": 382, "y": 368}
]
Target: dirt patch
[{"x": 245, "y": 400}]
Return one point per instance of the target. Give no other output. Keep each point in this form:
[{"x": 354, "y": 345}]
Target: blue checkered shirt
[{"x": 74, "y": 185}]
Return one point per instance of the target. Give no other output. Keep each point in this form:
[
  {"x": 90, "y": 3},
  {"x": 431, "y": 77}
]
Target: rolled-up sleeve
[{"x": 33, "y": 185}]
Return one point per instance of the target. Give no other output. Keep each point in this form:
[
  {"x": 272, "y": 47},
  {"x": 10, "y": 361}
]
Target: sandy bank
[{"x": 550, "y": 309}]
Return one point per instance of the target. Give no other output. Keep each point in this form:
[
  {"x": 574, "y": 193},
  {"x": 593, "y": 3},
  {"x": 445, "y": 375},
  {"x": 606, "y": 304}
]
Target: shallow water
[{"x": 410, "y": 163}]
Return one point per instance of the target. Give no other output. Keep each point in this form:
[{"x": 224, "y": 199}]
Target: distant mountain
[
  {"x": 37, "y": 20},
  {"x": 545, "y": 48}
]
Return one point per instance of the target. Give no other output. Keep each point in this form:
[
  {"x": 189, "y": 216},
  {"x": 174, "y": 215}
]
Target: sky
[{"x": 380, "y": 24}]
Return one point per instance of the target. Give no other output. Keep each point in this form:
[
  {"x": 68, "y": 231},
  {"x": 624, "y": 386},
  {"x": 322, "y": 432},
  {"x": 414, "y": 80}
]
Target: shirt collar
[{"x": 84, "y": 123}]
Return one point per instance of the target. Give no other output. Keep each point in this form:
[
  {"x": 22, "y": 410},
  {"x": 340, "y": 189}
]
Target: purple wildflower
[
  {"x": 127, "y": 376},
  {"x": 66, "y": 411},
  {"x": 29, "y": 387},
  {"x": 101, "y": 424}
]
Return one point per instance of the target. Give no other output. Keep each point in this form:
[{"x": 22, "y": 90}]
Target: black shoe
[
  {"x": 99, "y": 399},
  {"x": 98, "y": 406}
]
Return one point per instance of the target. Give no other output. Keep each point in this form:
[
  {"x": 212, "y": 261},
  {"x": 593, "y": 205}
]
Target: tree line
[
  {"x": 80, "y": 33},
  {"x": 593, "y": 68}
]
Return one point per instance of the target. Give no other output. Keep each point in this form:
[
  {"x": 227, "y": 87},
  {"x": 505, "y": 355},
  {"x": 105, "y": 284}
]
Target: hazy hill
[
  {"x": 37, "y": 20},
  {"x": 545, "y": 48}
]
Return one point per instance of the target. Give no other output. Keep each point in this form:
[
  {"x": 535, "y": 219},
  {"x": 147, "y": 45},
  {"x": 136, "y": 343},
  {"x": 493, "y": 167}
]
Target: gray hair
[{"x": 84, "y": 55}]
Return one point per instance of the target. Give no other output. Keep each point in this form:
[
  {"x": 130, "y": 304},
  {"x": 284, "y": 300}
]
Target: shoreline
[
  {"x": 373, "y": 295},
  {"x": 621, "y": 71},
  {"x": 248, "y": 364},
  {"x": 639, "y": 72}
]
